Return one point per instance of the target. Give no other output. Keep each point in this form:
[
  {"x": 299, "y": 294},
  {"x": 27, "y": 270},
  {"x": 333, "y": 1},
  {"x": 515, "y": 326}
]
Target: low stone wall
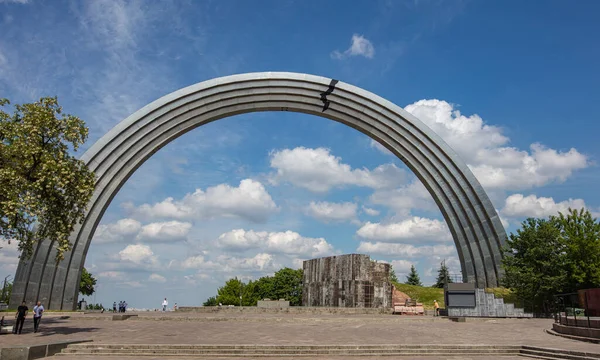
[
  {"x": 288, "y": 310},
  {"x": 273, "y": 304},
  {"x": 576, "y": 331}
]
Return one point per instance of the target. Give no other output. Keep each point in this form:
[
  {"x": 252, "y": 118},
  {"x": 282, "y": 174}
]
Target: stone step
[
  {"x": 294, "y": 355},
  {"x": 290, "y": 350},
  {"x": 285, "y": 351},
  {"x": 300, "y": 347},
  {"x": 559, "y": 353}
]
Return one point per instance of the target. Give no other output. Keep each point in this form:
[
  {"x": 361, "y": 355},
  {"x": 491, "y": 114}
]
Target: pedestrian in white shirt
[
  {"x": 165, "y": 304},
  {"x": 38, "y": 310}
]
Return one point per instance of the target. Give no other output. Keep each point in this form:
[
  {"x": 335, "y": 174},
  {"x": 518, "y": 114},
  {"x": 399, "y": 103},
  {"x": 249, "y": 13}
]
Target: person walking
[
  {"x": 165, "y": 304},
  {"x": 436, "y": 306},
  {"x": 38, "y": 310},
  {"x": 114, "y": 307},
  {"x": 20, "y": 317}
]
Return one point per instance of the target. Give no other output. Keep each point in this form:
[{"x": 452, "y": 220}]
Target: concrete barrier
[
  {"x": 29, "y": 352},
  {"x": 577, "y": 331}
]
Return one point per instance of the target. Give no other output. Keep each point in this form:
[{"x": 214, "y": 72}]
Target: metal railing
[{"x": 569, "y": 305}]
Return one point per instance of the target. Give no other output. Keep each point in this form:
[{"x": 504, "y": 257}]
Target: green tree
[
  {"x": 211, "y": 301},
  {"x": 44, "y": 190},
  {"x": 443, "y": 276},
  {"x": 231, "y": 292},
  {"x": 287, "y": 284},
  {"x": 413, "y": 277},
  {"x": 393, "y": 277},
  {"x": 259, "y": 289},
  {"x": 580, "y": 236},
  {"x": 6, "y": 292},
  {"x": 534, "y": 265},
  {"x": 87, "y": 283}
]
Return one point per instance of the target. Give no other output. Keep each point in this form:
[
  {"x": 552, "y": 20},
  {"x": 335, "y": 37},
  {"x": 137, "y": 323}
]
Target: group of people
[
  {"x": 122, "y": 306},
  {"x": 21, "y": 315}
]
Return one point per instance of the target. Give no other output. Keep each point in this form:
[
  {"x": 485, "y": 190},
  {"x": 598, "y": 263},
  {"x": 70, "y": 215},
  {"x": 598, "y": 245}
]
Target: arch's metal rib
[{"x": 473, "y": 221}]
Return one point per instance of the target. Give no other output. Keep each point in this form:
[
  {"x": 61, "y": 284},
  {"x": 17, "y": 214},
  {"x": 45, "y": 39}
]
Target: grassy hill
[{"x": 423, "y": 294}]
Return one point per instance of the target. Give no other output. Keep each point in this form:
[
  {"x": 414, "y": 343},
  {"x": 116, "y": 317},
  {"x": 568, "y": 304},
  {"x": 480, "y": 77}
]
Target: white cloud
[
  {"x": 518, "y": 205},
  {"x": 483, "y": 147},
  {"x": 401, "y": 267},
  {"x": 14, "y": 1},
  {"x": 415, "y": 229},
  {"x": 288, "y": 242},
  {"x": 370, "y": 212},
  {"x": 113, "y": 275},
  {"x": 374, "y": 144},
  {"x": 360, "y": 46},
  {"x": 249, "y": 201},
  {"x": 404, "y": 250},
  {"x": 198, "y": 262},
  {"x": 260, "y": 262},
  {"x": 157, "y": 278},
  {"x": 327, "y": 211},
  {"x": 165, "y": 231},
  {"x": 138, "y": 254},
  {"x": 121, "y": 231},
  {"x": 318, "y": 170},
  {"x": 405, "y": 198}
]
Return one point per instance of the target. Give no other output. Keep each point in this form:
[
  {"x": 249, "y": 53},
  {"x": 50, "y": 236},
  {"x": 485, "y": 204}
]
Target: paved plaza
[{"x": 288, "y": 329}]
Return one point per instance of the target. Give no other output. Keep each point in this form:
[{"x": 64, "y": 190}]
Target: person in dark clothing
[
  {"x": 115, "y": 307},
  {"x": 20, "y": 316}
]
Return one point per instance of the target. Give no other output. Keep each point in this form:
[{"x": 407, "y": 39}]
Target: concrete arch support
[{"x": 471, "y": 217}]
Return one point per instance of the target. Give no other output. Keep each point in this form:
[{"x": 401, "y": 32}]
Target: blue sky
[{"x": 512, "y": 86}]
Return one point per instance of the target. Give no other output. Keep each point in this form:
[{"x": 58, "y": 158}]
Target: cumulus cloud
[
  {"x": 404, "y": 250},
  {"x": 520, "y": 206},
  {"x": 138, "y": 254},
  {"x": 319, "y": 171},
  {"x": 288, "y": 242},
  {"x": 121, "y": 231},
  {"x": 231, "y": 265},
  {"x": 127, "y": 230},
  {"x": 157, "y": 278},
  {"x": 198, "y": 262},
  {"x": 164, "y": 231},
  {"x": 483, "y": 147},
  {"x": 331, "y": 212},
  {"x": 415, "y": 229},
  {"x": 360, "y": 47},
  {"x": 249, "y": 201},
  {"x": 259, "y": 262},
  {"x": 405, "y": 198},
  {"x": 370, "y": 212}
]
